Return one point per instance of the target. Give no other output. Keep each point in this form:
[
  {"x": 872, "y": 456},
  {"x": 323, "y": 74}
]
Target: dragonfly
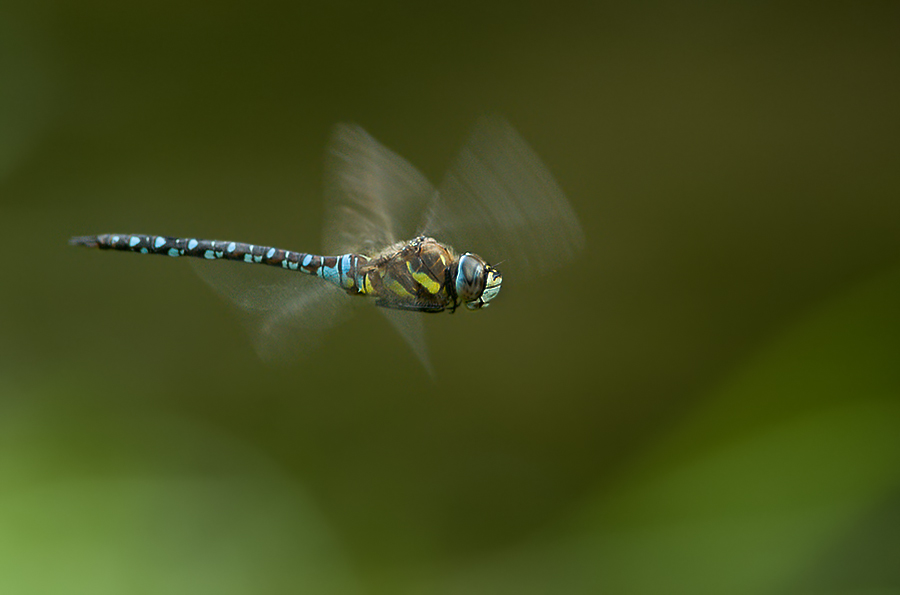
[{"x": 497, "y": 195}]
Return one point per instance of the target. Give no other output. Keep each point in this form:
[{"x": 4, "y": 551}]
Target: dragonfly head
[{"x": 476, "y": 282}]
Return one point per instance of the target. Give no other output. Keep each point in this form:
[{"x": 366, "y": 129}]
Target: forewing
[
  {"x": 499, "y": 200},
  {"x": 374, "y": 197},
  {"x": 285, "y": 311}
]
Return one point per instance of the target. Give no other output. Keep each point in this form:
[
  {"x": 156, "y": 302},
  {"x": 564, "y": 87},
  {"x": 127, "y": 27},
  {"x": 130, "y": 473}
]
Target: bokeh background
[{"x": 706, "y": 401}]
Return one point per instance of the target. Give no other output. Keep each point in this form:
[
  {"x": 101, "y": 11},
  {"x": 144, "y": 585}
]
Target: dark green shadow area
[{"x": 785, "y": 479}]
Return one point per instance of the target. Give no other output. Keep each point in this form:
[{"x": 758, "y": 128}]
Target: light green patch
[
  {"x": 430, "y": 285},
  {"x": 395, "y": 287}
]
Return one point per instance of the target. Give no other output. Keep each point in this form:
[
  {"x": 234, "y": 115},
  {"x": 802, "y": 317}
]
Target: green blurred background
[{"x": 706, "y": 401}]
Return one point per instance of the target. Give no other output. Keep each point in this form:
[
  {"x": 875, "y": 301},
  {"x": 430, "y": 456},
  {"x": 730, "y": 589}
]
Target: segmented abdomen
[{"x": 340, "y": 270}]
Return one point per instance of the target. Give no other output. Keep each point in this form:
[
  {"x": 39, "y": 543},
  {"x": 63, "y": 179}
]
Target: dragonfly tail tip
[{"x": 89, "y": 241}]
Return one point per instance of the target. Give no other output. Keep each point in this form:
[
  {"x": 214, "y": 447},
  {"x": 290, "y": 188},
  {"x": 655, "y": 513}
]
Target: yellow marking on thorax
[
  {"x": 430, "y": 285},
  {"x": 394, "y": 286}
]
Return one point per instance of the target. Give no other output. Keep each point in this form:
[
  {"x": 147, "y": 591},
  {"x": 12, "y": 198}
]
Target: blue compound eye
[
  {"x": 471, "y": 269},
  {"x": 470, "y": 278}
]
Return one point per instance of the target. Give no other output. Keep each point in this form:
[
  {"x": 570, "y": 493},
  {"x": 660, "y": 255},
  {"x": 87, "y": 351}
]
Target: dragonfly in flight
[{"x": 497, "y": 196}]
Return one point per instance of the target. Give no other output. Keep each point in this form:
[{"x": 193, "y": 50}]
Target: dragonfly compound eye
[
  {"x": 476, "y": 281},
  {"x": 471, "y": 267},
  {"x": 469, "y": 277}
]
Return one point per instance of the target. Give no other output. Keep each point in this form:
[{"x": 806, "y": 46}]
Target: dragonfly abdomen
[{"x": 339, "y": 270}]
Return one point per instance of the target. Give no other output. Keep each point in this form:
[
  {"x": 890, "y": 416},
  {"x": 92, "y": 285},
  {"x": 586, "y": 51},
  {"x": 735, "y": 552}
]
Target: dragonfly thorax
[{"x": 426, "y": 276}]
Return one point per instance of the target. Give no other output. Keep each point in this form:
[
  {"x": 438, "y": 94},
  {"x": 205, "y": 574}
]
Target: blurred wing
[
  {"x": 499, "y": 201},
  {"x": 412, "y": 329},
  {"x": 374, "y": 197},
  {"x": 286, "y": 312}
]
